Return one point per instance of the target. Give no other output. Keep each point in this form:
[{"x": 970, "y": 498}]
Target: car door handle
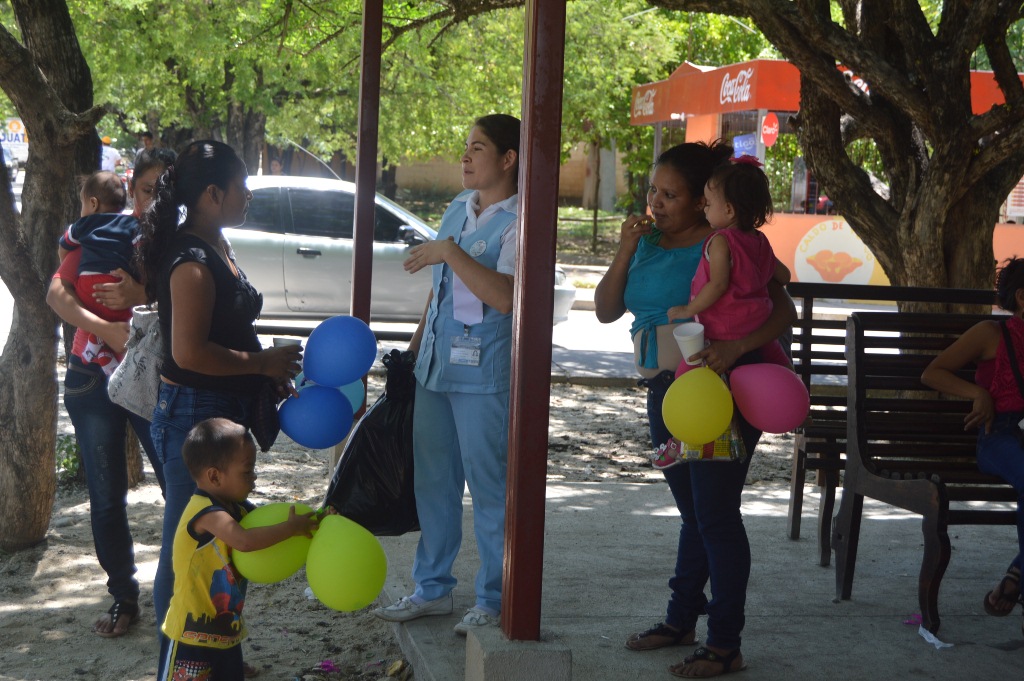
[{"x": 308, "y": 252}]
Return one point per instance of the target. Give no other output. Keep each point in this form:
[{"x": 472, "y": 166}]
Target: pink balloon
[
  {"x": 771, "y": 398},
  {"x": 684, "y": 367}
]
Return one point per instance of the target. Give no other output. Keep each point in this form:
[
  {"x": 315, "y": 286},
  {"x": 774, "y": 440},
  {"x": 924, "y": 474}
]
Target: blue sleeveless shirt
[{"x": 658, "y": 279}]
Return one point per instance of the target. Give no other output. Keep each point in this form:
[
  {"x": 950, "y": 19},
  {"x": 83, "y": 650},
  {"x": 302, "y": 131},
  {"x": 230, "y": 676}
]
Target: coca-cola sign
[
  {"x": 736, "y": 89},
  {"x": 859, "y": 82},
  {"x": 770, "y": 129},
  {"x": 643, "y": 103}
]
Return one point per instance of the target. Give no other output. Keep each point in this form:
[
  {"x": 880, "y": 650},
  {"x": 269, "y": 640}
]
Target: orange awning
[{"x": 694, "y": 90}]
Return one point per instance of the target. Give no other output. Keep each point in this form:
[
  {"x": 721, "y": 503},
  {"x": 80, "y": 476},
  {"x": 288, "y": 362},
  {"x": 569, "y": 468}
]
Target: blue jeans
[
  {"x": 459, "y": 438},
  {"x": 712, "y": 539},
  {"x": 100, "y": 428},
  {"x": 178, "y": 409},
  {"x": 1001, "y": 452}
]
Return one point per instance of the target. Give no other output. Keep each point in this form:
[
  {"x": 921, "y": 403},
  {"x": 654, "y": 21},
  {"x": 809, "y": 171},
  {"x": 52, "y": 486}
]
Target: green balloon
[
  {"x": 346, "y": 565},
  {"x": 277, "y": 562}
]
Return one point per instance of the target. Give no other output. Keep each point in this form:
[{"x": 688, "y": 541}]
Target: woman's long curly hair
[
  {"x": 200, "y": 165},
  {"x": 1009, "y": 280}
]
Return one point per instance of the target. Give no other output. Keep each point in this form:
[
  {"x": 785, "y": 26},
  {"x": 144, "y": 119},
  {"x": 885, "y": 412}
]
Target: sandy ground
[{"x": 51, "y": 594}]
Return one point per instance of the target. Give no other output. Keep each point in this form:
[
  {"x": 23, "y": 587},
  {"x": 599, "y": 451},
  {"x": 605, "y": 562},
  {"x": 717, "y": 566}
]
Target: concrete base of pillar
[{"x": 492, "y": 657}]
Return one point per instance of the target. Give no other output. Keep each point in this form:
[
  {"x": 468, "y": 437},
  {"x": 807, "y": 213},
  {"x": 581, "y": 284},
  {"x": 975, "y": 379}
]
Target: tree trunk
[
  {"x": 133, "y": 458},
  {"x": 246, "y": 130},
  {"x": 592, "y": 164},
  {"x": 176, "y": 138},
  {"x": 49, "y": 83},
  {"x": 388, "y": 179}
]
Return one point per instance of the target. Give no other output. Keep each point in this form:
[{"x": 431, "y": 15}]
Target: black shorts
[{"x": 202, "y": 663}]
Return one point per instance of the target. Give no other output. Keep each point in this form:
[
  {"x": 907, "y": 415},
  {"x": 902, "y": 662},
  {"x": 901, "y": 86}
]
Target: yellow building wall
[{"x": 442, "y": 176}]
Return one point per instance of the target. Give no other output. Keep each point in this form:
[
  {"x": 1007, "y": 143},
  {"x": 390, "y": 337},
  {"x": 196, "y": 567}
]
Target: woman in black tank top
[{"x": 213, "y": 365}]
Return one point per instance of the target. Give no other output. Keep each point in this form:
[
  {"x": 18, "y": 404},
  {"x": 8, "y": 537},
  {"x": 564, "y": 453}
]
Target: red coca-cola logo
[
  {"x": 736, "y": 89},
  {"x": 770, "y": 129},
  {"x": 643, "y": 104}
]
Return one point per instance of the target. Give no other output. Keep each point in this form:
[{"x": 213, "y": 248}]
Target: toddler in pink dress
[{"x": 729, "y": 292}]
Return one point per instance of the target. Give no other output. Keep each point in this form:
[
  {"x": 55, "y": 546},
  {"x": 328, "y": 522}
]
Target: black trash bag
[{"x": 373, "y": 482}]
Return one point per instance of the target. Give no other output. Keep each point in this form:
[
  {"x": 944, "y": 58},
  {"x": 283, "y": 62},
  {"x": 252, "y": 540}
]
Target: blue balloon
[
  {"x": 340, "y": 350},
  {"x": 355, "y": 392},
  {"x": 320, "y": 417}
]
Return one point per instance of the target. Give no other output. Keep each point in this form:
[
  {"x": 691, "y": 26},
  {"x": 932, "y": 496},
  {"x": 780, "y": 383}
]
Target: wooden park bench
[
  {"x": 907, "y": 446},
  {"x": 819, "y": 357}
]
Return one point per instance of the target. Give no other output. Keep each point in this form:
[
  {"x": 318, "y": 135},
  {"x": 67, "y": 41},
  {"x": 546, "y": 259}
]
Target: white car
[{"x": 296, "y": 249}]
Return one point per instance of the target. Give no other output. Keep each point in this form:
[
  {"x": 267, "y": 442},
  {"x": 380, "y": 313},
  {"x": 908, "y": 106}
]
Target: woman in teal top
[
  {"x": 463, "y": 367},
  {"x": 657, "y": 257}
]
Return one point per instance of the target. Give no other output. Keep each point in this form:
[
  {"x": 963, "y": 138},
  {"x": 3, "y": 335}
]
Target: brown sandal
[
  {"x": 1000, "y": 602},
  {"x": 661, "y": 636},
  {"x": 702, "y": 654}
]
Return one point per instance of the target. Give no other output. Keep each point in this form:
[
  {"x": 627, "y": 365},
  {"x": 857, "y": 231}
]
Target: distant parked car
[
  {"x": 12, "y": 164},
  {"x": 296, "y": 248}
]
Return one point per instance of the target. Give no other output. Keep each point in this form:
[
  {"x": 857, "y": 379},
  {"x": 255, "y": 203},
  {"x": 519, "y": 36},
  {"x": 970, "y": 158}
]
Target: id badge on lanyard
[{"x": 466, "y": 350}]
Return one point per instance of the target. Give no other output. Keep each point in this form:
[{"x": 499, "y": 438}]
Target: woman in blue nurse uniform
[{"x": 463, "y": 346}]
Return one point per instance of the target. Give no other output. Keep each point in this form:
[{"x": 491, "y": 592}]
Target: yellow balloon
[
  {"x": 697, "y": 407},
  {"x": 277, "y": 562},
  {"x": 346, "y": 565}
]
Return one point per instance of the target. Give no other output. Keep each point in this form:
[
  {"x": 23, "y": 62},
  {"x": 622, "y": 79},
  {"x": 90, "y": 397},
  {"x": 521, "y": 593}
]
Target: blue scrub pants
[{"x": 459, "y": 438}]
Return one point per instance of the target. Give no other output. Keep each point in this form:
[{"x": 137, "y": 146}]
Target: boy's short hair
[
  {"x": 212, "y": 444},
  {"x": 107, "y": 188}
]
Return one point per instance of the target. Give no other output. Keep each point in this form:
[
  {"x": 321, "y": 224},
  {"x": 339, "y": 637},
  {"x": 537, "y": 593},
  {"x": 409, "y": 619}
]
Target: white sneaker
[
  {"x": 405, "y": 609},
  {"x": 475, "y": 618}
]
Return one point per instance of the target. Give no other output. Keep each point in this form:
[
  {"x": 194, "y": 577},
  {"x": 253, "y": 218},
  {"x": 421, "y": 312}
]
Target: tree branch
[
  {"x": 1003, "y": 146},
  {"x": 1003, "y": 66}
]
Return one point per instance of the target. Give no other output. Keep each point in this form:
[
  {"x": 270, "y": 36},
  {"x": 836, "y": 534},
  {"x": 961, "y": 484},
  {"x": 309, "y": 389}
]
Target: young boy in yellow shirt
[{"x": 204, "y": 621}]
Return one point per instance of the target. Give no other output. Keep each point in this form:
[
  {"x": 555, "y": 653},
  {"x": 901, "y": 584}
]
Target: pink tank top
[
  {"x": 996, "y": 376},
  {"x": 745, "y": 305}
]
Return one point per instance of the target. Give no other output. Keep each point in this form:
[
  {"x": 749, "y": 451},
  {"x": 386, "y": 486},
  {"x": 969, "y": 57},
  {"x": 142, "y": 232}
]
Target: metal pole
[
  {"x": 761, "y": 154},
  {"x": 531, "y": 344},
  {"x": 366, "y": 159}
]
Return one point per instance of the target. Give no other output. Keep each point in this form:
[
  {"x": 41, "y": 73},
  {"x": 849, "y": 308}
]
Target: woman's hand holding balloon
[
  {"x": 720, "y": 355},
  {"x": 285, "y": 389}
]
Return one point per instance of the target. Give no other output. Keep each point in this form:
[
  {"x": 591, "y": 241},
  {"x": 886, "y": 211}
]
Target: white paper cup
[
  {"x": 282, "y": 342},
  {"x": 690, "y": 339}
]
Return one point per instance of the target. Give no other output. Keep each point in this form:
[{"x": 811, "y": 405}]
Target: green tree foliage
[{"x": 182, "y": 68}]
